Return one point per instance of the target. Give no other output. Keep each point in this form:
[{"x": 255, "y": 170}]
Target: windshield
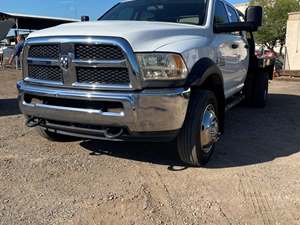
[{"x": 174, "y": 11}]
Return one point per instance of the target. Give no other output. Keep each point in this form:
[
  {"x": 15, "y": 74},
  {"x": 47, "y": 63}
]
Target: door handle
[{"x": 234, "y": 46}]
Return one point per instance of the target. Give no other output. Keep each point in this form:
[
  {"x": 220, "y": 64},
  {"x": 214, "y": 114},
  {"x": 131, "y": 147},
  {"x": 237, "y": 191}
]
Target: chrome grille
[
  {"x": 93, "y": 63},
  {"x": 98, "y": 52},
  {"x": 102, "y": 75},
  {"x": 47, "y": 73},
  {"x": 44, "y": 51}
]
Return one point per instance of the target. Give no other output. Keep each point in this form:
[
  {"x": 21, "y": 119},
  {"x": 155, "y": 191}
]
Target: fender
[
  {"x": 201, "y": 72},
  {"x": 202, "y": 69}
]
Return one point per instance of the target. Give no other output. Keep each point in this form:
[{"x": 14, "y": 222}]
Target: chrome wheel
[{"x": 209, "y": 133}]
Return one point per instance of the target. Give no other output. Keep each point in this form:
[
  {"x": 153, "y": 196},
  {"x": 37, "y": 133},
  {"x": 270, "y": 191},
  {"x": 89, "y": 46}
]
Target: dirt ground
[{"x": 253, "y": 177}]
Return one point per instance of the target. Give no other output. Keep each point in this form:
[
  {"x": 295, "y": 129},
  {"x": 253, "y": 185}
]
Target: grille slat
[
  {"x": 98, "y": 52},
  {"x": 44, "y": 51},
  {"x": 102, "y": 75},
  {"x": 47, "y": 73}
]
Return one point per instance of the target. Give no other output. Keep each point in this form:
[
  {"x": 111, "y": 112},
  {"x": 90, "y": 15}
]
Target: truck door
[
  {"x": 241, "y": 50},
  {"x": 232, "y": 55}
]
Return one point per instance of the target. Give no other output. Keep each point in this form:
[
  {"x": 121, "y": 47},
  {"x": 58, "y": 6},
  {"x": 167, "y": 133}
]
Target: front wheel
[{"x": 197, "y": 139}]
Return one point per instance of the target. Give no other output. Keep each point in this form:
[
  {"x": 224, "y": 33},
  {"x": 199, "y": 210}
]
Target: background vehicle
[
  {"x": 271, "y": 58},
  {"x": 266, "y": 54},
  {"x": 148, "y": 70}
]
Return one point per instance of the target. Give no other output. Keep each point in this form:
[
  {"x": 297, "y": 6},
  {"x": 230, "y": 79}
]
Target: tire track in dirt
[
  {"x": 160, "y": 196},
  {"x": 260, "y": 202},
  {"x": 219, "y": 205},
  {"x": 152, "y": 175}
]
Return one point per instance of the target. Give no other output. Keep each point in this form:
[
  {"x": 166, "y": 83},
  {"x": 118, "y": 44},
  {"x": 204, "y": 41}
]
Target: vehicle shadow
[
  {"x": 9, "y": 107},
  {"x": 260, "y": 135},
  {"x": 251, "y": 136},
  {"x": 156, "y": 153}
]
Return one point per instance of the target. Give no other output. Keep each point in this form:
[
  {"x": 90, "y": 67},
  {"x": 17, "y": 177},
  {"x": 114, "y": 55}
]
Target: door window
[
  {"x": 232, "y": 15},
  {"x": 221, "y": 16}
]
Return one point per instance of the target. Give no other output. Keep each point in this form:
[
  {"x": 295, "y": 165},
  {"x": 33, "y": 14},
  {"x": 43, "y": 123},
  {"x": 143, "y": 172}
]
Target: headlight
[{"x": 162, "y": 66}]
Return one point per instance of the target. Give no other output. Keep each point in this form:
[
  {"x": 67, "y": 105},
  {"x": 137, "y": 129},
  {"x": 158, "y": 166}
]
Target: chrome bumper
[{"x": 155, "y": 110}]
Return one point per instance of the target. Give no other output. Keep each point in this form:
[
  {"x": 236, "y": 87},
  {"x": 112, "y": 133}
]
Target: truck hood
[{"x": 142, "y": 36}]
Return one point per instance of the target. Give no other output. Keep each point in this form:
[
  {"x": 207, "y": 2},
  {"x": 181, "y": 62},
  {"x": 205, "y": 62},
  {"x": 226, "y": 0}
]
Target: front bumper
[{"x": 156, "y": 110}]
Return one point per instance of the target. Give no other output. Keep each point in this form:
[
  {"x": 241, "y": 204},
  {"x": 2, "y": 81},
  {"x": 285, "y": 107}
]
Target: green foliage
[{"x": 274, "y": 20}]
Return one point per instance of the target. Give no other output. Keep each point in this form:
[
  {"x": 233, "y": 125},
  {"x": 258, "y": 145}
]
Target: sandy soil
[{"x": 253, "y": 177}]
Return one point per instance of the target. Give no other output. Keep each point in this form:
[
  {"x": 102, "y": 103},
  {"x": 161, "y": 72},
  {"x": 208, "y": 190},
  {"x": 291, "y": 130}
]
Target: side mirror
[
  {"x": 233, "y": 27},
  {"x": 85, "y": 18},
  {"x": 253, "y": 22},
  {"x": 254, "y": 15}
]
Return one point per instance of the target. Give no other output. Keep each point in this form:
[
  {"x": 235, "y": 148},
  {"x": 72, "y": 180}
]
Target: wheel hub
[{"x": 209, "y": 129}]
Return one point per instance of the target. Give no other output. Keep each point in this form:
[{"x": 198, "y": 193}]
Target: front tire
[{"x": 196, "y": 140}]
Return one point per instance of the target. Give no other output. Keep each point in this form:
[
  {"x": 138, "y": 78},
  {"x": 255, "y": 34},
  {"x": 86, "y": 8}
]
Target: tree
[{"x": 275, "y": 19}]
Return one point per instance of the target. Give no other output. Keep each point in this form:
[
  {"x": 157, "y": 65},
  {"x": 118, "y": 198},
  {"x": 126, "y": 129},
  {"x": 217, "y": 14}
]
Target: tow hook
[{"x": 33, "y": 122}]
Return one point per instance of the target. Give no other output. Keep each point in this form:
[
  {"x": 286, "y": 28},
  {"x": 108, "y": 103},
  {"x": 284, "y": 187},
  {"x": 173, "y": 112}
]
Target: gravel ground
[{"x": 253, "y": 178}]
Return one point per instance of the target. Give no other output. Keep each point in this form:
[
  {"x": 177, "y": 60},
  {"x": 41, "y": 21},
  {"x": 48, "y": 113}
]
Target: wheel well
[{"x": 214, "y": 84}]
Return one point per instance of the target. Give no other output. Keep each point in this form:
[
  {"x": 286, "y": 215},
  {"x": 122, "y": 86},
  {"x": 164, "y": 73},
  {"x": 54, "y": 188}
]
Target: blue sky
[{"x": 62, "y": 8}]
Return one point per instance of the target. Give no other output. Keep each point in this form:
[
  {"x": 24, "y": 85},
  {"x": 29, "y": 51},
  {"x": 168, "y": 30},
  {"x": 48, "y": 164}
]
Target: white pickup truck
[{"x": 152, "y": 70}]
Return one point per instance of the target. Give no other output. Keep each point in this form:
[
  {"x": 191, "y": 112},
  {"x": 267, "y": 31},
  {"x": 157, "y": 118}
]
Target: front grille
[
  {"x": 47, "y": 73},
  {"x": 44, "y": 51},
  {"x": 95, "y": 65},
  {"x": 98, "y": 52},
  {"x": 102, "y": 75}
]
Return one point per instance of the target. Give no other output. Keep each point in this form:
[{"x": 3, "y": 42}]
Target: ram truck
[{"x": 147, "y": 70}]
